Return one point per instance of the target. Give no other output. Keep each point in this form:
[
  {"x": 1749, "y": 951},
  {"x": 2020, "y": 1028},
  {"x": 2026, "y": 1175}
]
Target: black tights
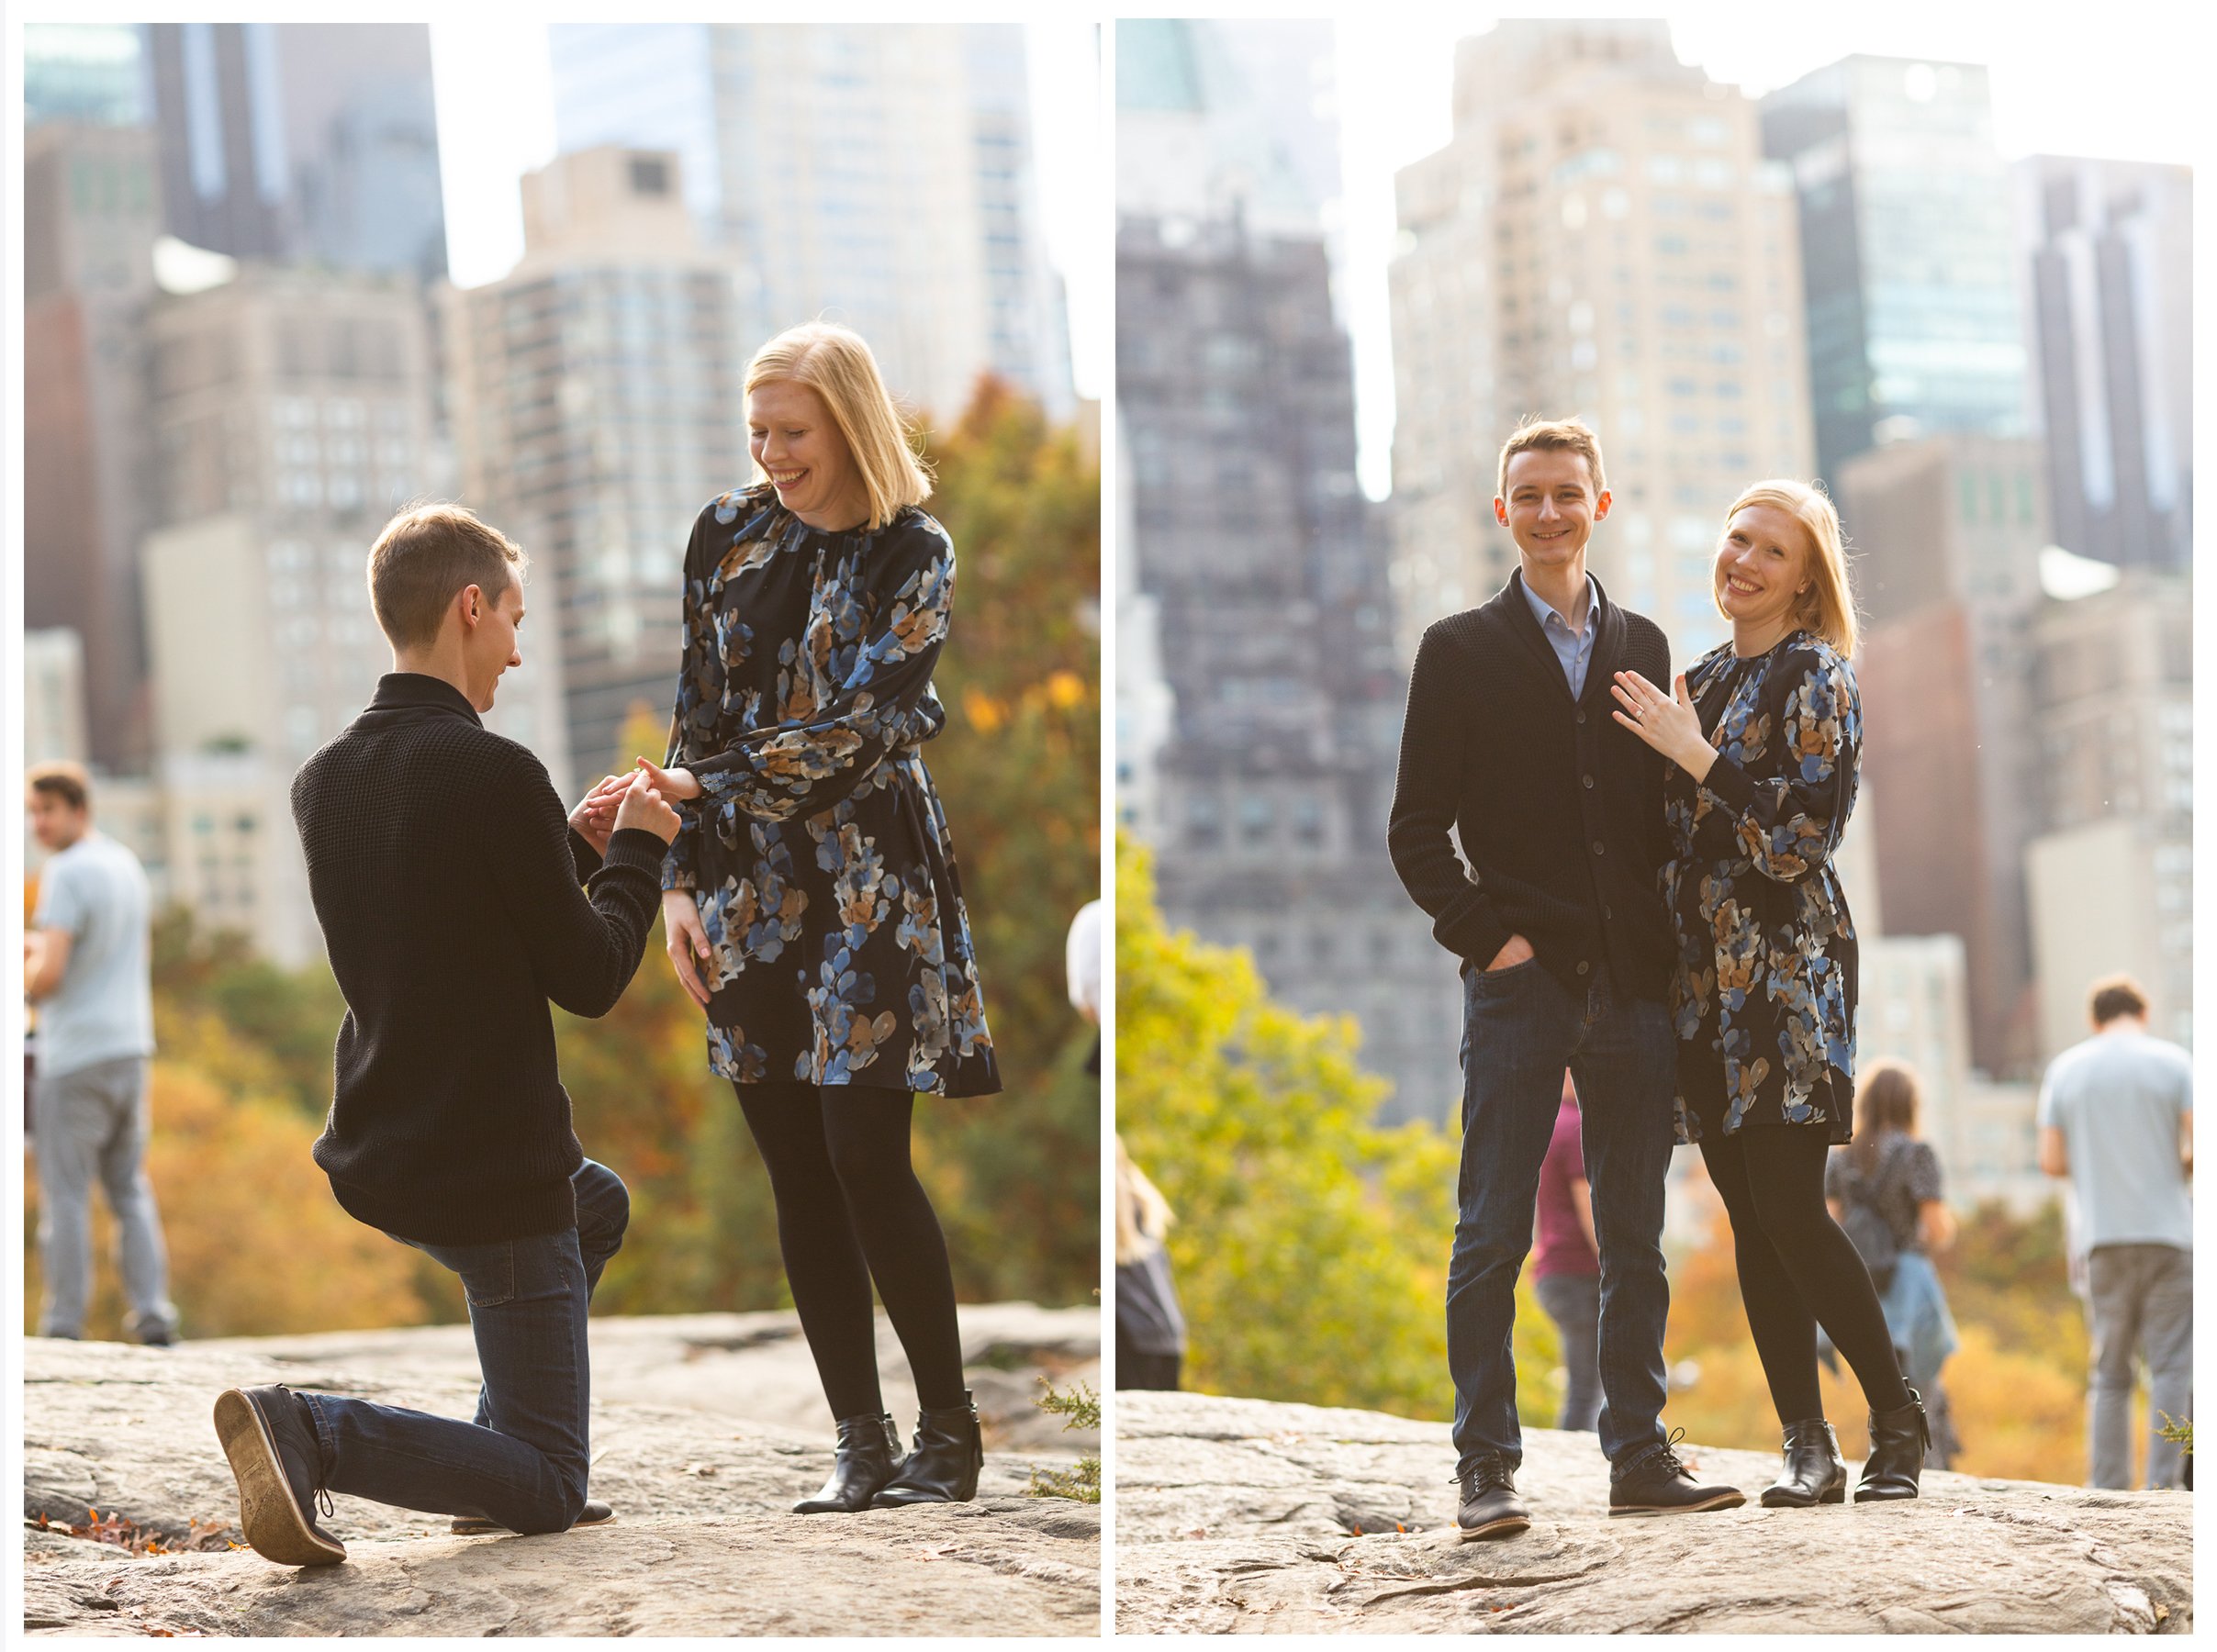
[
  {"x": 850, "y": 1210},
  {"x": 1792, "y": 1256}
]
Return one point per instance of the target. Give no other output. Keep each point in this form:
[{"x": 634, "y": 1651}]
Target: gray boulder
[{"x": 1248, "y": 1516}]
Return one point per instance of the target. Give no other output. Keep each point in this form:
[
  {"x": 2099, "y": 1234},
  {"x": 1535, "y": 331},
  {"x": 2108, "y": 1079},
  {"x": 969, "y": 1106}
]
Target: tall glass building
[
  {"x": 878, "y": 176},
  {"x": 95, "y": 73},
  {"x": 1908, "y": 254}
]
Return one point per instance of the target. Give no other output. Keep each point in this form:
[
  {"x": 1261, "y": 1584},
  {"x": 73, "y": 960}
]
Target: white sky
[
  {"x": 493, "y": 84},
  {"x": 2061, "y": 84}
]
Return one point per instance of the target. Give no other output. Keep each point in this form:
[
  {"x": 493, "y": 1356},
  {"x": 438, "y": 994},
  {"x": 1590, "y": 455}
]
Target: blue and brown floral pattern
[
  {"x": 818, "y": 852},
  {"x": 1764, "y": 993}
]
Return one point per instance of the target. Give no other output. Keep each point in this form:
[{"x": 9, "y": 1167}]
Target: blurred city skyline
[
  {"x": 494, "y": 82},
  {"x": 1390, "y": 97}
]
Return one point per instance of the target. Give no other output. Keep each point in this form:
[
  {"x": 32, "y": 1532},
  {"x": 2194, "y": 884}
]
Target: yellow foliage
[
  {"x": 256, "y": 1241},
  {"x": 985, "y": 713}
]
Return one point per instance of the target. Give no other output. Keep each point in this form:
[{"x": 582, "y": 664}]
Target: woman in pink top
[{"x": 1566, "y": 1265}]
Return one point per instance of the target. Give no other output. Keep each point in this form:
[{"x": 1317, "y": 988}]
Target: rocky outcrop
[
  {"x": 705, "y": 1429},
  {"x": 1250, "y": 1516}
]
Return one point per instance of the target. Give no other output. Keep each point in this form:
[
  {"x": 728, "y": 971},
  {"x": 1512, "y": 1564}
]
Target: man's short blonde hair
[
  {"x": 425, "y": 557},
  {"x": 1572, "y": 435},
  {"x": 837, "y": 365}
]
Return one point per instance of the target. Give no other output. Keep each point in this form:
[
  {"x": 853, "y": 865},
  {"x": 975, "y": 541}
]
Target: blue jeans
[
  {"x": 522, "y": 1462},
  {"x": 1520, "y": 1029}
]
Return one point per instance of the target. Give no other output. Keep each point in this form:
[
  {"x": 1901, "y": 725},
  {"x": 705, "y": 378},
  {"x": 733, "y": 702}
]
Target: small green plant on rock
[{"x": 1079, "y": 1408}]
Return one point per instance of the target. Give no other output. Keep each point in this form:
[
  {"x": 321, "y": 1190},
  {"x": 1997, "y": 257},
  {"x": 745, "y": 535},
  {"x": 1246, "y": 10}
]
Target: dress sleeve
[
  {"x": 877, "y": 652},
  {"x": 1790, "y": 823}
]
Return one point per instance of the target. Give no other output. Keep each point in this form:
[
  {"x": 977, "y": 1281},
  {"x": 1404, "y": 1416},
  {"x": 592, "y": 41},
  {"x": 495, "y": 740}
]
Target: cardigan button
[
  {"x": 1589, "y": 783},
  {"x": 1582, "y": 715},
  {"x": 1582, "y": 966},
  {"x": 1598, "y": 846}
]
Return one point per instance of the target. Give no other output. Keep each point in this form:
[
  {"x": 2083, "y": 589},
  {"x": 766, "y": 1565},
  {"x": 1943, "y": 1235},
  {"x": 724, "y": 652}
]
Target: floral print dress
[
  {"x": 1762, "y": 993},
  {"x": 817, "y": 852}
]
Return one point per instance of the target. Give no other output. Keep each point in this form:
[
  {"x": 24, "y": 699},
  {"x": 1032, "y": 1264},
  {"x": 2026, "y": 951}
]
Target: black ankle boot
[
  {"x": 942, "y": 1465},
  {"x": 870, "y": 1454},
  {"x": 1814, "y": 1472},
  {"x": 1899, "y": 1439}
]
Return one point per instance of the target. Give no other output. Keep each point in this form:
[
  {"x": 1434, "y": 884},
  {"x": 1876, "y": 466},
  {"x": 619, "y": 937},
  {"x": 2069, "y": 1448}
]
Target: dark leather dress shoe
[
  {"x": 1814, "y": 1473},
  {"x": 1658, "y": 1483},
  {"x": 594, "y": 1514},
  {"x": 273, "y": 1451},
  {"x": 1490, "y": 1506},
  {"x": 868, "y": 1455},
  {"x": 1899, "y": 1439},
  {"x": 943, "y": 1463}
]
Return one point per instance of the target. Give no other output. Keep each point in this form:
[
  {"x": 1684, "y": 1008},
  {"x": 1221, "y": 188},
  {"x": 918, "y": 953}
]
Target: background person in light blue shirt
[
  {"x": 2116, "y": 1117},
  {"x": 86, "y": 967}
]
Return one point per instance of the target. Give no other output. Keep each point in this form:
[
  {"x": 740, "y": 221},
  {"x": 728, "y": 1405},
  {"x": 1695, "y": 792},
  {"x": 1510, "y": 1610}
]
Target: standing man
[
  {"x": 447, "y": 885},
  {"x": 86, "y": 967},
  {"x": 2116, "y": 1117},
  {"x": 1566, "y": 955}
]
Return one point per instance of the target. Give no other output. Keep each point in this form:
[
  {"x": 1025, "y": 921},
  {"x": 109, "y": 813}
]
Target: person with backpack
[{"x": 1885, "y": 1191}]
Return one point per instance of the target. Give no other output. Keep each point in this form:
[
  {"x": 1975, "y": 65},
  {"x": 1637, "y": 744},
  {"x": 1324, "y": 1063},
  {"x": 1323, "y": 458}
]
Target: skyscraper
[
  {"x": 1947, "y": 533},
  {"x": 92, "y": 209},
  {"x": 1266, "y": 571},
  {"x": 290, "y": 415},
  {"x": 311, "y": 143},
  {"x": 879, "y": 176},
  {"x": 1908, "y": 256},
  {"x": 93, "y": 73},
  {"x": 2109, "y": 252},
  {"x": 597, "y": 394},
  {"x": 2111, "y": 877},
  {"x": 1601, "y": 236}
]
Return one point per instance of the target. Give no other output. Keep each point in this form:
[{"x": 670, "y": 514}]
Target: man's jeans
[
  {"x": 521, "y": 1464},
  {"x": 2140, "y": 1299},
  {"x": 1521, "y": 1028},
  {"x": 86, "y": 1123},
  {"x": 1574, "y": 1301}
]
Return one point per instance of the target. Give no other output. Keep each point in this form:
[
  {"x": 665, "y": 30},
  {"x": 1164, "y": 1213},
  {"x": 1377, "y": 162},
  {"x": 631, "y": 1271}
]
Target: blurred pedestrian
[
  {"x": 86, "y": 968},
  {"x": 1081, "y": 968},
  {"x": 1885, "y": 1190},
  {"x": 1150, "y": 1330},
  {"x": 1566, "y": 1265},
  {"x": 2116, "y": 1119}
]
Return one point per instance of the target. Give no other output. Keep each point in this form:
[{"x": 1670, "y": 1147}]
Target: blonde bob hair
[
  {"x": 1827, "y": 609},
  {"x": 837, "y": 365}
]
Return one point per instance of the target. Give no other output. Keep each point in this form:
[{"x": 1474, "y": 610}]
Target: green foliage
[
  {"x": 1079, "y": 1408},
  {"x": 1310, "y": 1247}
]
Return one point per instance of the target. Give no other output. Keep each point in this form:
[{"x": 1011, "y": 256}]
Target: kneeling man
[
  {"x": 448, "y": 887},
  {"x": 1566, "y": 957}
]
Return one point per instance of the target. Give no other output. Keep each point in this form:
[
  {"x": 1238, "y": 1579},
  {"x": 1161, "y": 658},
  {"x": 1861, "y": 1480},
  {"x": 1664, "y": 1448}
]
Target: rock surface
[
  {"x": 1243, "y": 1515},
  {"x": 706, "y": 1427}
]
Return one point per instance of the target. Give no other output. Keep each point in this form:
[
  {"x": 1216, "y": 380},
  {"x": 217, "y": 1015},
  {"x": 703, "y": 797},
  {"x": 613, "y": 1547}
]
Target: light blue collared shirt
[{"x": 1574, "y": 647}]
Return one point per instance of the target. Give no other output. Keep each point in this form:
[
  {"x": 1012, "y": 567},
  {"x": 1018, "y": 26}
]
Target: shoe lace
[
  {"x": 1665, "y": 1456},
  {"x": 324, "y": 1506},
  {"x": 1483, "y": 1476}
]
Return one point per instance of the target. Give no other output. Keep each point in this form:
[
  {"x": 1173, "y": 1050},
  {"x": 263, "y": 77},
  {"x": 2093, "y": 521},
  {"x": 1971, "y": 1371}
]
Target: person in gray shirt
[
  {"x": 85, "y": 968},
  {"x": 2116, "y": 1117}
]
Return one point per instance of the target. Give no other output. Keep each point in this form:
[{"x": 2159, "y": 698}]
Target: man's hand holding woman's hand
[{"x": 621, "y": 802}]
